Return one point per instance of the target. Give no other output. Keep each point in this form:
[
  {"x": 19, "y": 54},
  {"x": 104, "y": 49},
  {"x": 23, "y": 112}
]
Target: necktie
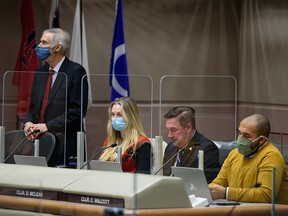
[
  {"x": 178, "y": 160},
  {"x": 46, "y": 95}
]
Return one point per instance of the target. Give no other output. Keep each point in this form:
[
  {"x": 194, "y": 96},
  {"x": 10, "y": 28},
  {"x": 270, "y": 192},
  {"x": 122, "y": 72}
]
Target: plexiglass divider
[
  {"x": 191, "y": 90},
  {"x": 81, "y": 148},
  {"x": 158, "y": 157},
  {"x": 216, "y": 106},
  {"x": 16, "y": 90},
  {"x": 96, "y": 118},
  {"x": 2, "y": 144},
  {"x": 280, "y": 140}
]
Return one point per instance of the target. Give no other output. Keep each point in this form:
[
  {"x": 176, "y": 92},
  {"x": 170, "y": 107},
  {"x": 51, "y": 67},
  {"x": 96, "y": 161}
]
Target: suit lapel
[
  {"x": 42, "y": 76},
  {"x": 186, "y": 157},
  {"x": 189, "y": 157},
  {"x": 169, "y": 152},
  {"x": 61, "y": 79}
]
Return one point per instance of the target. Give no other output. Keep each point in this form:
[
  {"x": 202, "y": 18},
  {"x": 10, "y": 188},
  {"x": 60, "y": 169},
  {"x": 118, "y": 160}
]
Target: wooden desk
[
  {"x": 49, "y": 206},
  {"x": 219, "y": 211},
  {"x": 74, "y": 209}
]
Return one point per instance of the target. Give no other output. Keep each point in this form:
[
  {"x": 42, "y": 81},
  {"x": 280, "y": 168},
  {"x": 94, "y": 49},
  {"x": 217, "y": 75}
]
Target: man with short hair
[
  {"x": 181, "y": 126},
  {"x": 246, "y": 174},
  {"x": 57, "y": 96}
]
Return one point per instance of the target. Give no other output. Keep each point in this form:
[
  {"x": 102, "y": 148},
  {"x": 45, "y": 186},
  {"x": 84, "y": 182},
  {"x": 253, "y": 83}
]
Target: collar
[
  {"x": 57, "y": 67},
  {"x": 190, "y": 140},
  {"x": 255, "y": 151},
  {"x": 193, "y": 134}
]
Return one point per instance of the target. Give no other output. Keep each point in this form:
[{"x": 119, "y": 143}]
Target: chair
[
  {"x": 47, "y": 143},
  {"x": 224, "y": 149}
]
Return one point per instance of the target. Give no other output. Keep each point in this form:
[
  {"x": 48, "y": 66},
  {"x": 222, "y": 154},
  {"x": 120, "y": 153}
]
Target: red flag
[{"x": 27, "y": 59}]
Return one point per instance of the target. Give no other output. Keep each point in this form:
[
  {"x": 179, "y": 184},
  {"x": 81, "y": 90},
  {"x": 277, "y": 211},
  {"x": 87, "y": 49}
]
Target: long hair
[{"x": 130, "y": 133}]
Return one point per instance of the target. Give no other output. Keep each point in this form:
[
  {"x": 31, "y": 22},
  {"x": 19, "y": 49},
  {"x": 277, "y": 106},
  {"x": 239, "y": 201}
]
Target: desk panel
[{"x": 111, "y": 189}]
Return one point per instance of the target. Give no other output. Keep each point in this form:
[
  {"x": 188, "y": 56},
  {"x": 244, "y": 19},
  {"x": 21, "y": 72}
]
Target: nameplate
[
  {"x": 92, "y": 200},
  {"x": 29, "y": 193}
]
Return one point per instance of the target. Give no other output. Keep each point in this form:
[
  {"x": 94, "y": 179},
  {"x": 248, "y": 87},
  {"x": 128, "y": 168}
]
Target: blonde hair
[{"x": 130, "y": 133}]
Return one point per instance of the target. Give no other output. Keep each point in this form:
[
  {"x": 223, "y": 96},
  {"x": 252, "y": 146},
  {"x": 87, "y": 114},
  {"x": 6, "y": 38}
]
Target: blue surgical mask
[
  {"x": 42, "y": 52},
  {"x": 118, "y": 123}
]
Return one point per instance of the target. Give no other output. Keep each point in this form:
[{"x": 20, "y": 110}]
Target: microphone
[
  {"x": 102, "y": 149},
  {"x": 177, "y": 153},
  {"x": 25, "y": 137}
]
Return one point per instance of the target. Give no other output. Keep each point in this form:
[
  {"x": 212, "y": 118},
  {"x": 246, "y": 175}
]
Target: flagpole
[{"x": 81, "y": 41}]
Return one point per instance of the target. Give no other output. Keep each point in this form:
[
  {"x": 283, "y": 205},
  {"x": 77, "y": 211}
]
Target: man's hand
[
  {"x": 42, "y": 127},
  {"x": 30, "y": 127},
  {"x": 217, "y": 191}
]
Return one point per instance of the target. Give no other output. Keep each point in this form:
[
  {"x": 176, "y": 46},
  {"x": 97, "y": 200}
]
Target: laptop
[
  {"x": 105, "y": 166},
  {"x": 30, "y": 160},
  {"x": 195, "y": 181}
]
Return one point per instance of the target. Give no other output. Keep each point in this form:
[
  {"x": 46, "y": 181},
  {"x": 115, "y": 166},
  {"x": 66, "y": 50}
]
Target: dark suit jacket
[
  {"x": 189, "y": 156},
  {"x": 63, "y": 111}
]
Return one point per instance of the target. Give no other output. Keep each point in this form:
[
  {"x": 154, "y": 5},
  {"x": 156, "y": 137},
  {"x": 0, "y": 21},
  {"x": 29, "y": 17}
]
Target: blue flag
[{"x": 119, "y": 81}]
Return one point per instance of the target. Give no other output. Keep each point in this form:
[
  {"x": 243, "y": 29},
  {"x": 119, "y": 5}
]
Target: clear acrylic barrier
[
  {"x": 285, "y": 147},
  {"x": 13, "y": 117},
  {"x": 216, "y": 106},
  {"x": 95, "y": 122},
  {"x": 280, "y": 140}
]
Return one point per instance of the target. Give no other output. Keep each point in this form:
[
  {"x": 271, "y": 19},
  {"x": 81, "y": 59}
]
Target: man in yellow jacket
[{"x": 246, "y": 174}]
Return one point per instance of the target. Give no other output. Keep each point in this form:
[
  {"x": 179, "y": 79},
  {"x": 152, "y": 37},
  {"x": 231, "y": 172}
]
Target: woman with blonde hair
[{"x": 125, "y": 129}]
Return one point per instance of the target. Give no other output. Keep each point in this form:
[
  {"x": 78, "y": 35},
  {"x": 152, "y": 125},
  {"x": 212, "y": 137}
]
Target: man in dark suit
[
  {"x": 59, "y": 111},
  {"x": 180, "y": 123}
]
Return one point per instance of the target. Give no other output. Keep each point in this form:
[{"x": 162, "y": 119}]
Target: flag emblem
[
  {"x": 28, "y": 49},
  {"x": 119, "y": 81}
]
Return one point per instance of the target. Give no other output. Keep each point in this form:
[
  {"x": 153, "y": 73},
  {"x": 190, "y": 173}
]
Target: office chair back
[{"x": 47, "y": 143}]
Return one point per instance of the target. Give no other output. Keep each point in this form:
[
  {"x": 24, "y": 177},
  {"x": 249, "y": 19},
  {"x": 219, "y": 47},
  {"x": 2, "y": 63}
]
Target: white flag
[
  {"x": 54, "y": 15},
  {"x": 76, "y": 54}
]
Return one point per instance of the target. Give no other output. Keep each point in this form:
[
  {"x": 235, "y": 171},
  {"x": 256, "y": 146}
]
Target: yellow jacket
[{"x": 250, "y": 179}]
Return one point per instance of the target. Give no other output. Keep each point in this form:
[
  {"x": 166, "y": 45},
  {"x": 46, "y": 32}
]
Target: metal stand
[
  {"x": 36, "y": 147},
  {"x": 158, "y": 154},
  {"x": 2, "y": 144},
  {"x": 80, "y": 149}
]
